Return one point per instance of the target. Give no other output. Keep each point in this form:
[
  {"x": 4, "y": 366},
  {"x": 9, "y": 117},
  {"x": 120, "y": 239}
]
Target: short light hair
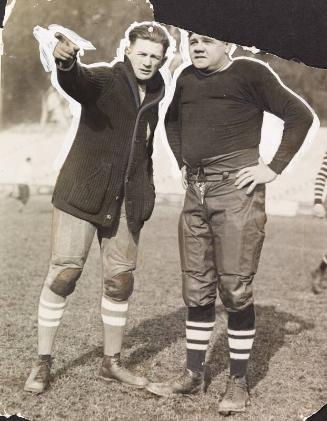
[{"x": 152, "y": 33}]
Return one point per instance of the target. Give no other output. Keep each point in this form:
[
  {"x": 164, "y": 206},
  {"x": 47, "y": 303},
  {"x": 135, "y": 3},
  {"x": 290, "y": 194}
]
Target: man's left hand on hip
[{"x": 252, "y": 176}]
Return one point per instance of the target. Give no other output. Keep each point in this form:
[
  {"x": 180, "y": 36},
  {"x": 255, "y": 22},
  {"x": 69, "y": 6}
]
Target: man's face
[
  {"x": 146, "y": 57},
  {"x": 207, "y": 54}
]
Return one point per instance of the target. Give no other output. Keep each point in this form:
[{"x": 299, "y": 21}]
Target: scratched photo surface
[{"x": 287, "y": 368}]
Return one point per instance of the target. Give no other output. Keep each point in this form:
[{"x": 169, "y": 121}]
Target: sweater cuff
[
  {"x": 317, "y": 201},
  {"x": 277, "y": 165},
  {"x": 65, "y": 66}
]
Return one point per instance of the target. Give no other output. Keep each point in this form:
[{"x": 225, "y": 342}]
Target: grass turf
[{"x": 287, "y": 372}]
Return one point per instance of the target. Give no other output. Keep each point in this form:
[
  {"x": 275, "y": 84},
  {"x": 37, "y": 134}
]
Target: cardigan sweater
[
  {"x": 110, "y": 158},
  {"x": 222, "y": 112}
]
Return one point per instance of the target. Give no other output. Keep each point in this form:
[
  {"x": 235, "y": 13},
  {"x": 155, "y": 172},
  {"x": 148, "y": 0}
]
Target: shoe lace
[
  {"x": 43, "y": 369},
  {"x": 182, "y": 377},
  {"x": 117, "y": 360},
  {"x": 185, "y": 378},
  {"x": 233, "y": 386}
]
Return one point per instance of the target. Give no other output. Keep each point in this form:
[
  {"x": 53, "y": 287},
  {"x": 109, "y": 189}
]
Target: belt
[{"x": 199, "y": 175}]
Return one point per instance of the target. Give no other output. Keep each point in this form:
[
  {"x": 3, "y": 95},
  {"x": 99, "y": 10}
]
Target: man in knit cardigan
[
  {"x": 214, "y": 129},
  {"x": 106, "y": 187}
]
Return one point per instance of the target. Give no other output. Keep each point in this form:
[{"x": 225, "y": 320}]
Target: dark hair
[{"x": 150, "y": 32}]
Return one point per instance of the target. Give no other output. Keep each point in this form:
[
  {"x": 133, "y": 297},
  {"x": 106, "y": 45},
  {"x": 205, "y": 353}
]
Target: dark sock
[
  {"x": 199, "y": 325},
  {"x": 241, "y": 332},
  {"x": 46, "y": 358}
]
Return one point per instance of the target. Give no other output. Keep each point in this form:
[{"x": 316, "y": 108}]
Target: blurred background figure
[
  {"x": 319, "y": 276},
  {"x": 319, "y": 210},
  {"x": 55, "y": 109},
  {"x": 23, "y": 183}
]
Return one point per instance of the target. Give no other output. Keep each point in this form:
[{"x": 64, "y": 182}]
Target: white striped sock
[
  {"x": 234, "y": 356},
  {"x": 110, "y": 305},
  {"x": 240, "y": 343},
  {"x": 113, "y": 321},
  {"x": 198, "y": 335},
  {"x": 241, "y": 332},
  {"x": 113, "y": 313},
  {"x": 50, "y": 314},
  {"x": 200, "y": 324}
]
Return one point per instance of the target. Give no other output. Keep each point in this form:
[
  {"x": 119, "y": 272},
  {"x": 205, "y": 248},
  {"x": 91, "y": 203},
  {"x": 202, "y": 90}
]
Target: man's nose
[
  {"x": 147, "y": 62},
  {"x": 199, "y": 48}
]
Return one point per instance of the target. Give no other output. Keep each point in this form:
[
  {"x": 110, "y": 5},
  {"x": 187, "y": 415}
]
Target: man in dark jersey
[{"x": 214, "y": 128}]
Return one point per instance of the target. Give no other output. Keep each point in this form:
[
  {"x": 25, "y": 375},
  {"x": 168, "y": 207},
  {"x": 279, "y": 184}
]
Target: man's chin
[
  {"x": 200, "y": 66},
  {"x": 144, "y": 77}
]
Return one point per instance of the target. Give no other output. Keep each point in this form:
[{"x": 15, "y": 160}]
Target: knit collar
[{"x": 203, "y": 75}]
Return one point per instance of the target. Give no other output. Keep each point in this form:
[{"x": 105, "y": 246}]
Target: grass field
[{"x": 288, "y": 369}]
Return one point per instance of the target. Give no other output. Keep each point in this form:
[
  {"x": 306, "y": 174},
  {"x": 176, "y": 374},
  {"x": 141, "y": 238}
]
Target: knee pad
[
  {"x": 119, "y": 287},
  {"x": 236, "y": 291},
  {"x": 65, "y": 282},
  {"x": 196, "y": 293}
]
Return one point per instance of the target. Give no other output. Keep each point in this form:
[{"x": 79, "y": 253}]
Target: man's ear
[{"x": 127, "y": 50}]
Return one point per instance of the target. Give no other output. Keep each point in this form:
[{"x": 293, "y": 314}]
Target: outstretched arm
[{"x": 81, "y": 83}]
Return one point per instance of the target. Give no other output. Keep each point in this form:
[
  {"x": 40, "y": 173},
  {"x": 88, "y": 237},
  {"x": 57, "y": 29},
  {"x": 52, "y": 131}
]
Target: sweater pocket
[{"x": 88, "y": 193}]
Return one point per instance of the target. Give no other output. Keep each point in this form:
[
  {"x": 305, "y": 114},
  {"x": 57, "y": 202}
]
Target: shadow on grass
[
  {"x": 159, "y": 333},
  {"x": 272, "y": 327},
  {"x": 153, "y": 335},
  {"x": 84, "y": 359}
]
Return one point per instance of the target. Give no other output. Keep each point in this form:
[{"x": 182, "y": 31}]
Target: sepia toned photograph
[{"x": 163, "y": 219}]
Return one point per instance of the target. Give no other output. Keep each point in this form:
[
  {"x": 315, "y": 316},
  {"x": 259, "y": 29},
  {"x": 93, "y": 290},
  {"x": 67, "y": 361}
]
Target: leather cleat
[
  {"x": 188, "y": 383},
  {"x": 39, "y": 379},
  {"x": 112, "y": 370},
  {"x": 236, "y": 397}
]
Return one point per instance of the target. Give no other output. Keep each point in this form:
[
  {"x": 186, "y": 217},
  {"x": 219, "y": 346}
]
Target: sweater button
[{"x": 108, "y": 216}]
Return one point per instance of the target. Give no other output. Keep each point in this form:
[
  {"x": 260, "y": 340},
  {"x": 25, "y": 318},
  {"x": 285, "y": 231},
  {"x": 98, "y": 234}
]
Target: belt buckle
[{"x": 225, "y": 175}]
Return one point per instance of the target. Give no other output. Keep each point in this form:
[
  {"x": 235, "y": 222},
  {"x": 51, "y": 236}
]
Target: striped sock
[
  {"x": 199, "y": 326},
  {"x": 241, "y": 332},
  {"x": 320, "y": 181},
  {"x": 114, "y": 315},
  {"x": 51, "y": 310}
]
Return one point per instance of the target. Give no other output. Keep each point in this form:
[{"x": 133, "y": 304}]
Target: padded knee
[
  {"x": 65, "y": 282},
  {"x": 119, "y": 287},
  {"x": 236, "y": 291}
]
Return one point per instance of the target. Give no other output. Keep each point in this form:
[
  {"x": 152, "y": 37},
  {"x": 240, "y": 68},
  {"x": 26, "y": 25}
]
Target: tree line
[{"x": 102, "y": 22}]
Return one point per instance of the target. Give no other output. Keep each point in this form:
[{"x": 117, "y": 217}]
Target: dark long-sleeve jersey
[
  {"x": 320, "y": 181},
  {"x": 222, "y": 112}
]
